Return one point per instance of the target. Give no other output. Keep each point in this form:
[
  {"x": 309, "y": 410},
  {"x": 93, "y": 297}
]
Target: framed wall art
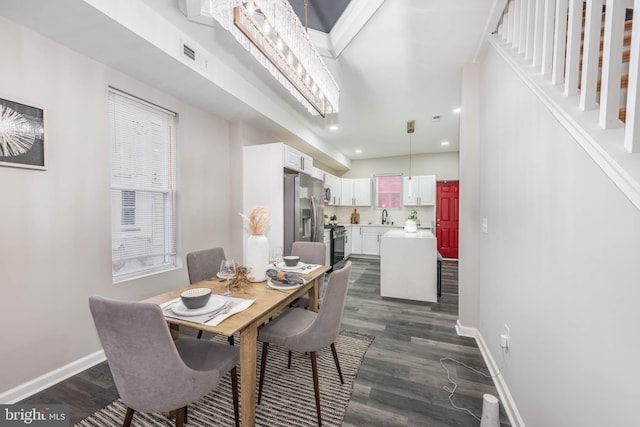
[{"x": 21, "y": 136}]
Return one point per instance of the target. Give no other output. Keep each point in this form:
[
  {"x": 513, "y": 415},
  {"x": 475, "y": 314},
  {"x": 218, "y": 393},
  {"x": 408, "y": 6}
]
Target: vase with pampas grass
[{"x": 257, "y": 248}]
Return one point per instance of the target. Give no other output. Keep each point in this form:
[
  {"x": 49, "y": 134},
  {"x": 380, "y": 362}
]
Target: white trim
[
  {"x": 354, "y": 17},
  {"x": 42, "y": 382},
  {"x": 506, "y": 398},
  {"x": 465, "y": 331}
]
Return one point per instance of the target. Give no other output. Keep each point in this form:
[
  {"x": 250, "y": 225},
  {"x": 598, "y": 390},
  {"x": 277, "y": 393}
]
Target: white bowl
[{"x": 196, "y": 297}]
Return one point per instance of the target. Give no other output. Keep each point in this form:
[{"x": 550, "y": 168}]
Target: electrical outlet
[{"x": 504, "y": 337}]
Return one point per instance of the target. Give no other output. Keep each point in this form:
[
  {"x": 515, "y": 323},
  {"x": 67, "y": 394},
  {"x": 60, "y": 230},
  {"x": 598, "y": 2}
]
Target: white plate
[
  {"x": 214, "y": 303},
  {"x": 280, "y": 285},
  {"x": 284, "y": 267}
]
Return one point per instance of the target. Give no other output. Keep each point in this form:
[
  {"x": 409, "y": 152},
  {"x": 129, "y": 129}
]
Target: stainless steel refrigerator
[{"x": 303, "y": 210}]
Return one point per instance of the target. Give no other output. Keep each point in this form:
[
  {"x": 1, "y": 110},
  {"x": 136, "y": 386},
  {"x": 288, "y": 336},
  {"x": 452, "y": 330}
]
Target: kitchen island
[{"x": 408, "y": 265}]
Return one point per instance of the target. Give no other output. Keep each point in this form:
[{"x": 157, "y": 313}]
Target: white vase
[
  {"x": 257, "y": 258},
  {"x": 410, "y": 227}
]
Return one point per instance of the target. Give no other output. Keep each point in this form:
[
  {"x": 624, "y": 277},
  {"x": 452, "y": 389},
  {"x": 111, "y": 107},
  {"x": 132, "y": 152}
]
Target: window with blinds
[
  {"x": 388, "y": 191},
  {"x": 143, "y": 225}
]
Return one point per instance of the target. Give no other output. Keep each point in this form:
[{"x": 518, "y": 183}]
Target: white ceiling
[{"x": 404, "y": 64}]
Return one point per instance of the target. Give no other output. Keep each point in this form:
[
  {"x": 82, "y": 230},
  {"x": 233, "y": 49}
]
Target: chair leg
[
  {"x": 128, "y": 417},
  {"x": 180, "y": 415},
  {"x": 200, "y": 333},
  {"x": 335, "y": 359},
  {"x": 231, "y": 341},
  {"x": 185, "y": 419},
  {"x": 263, "y": 368},
  {"x": 316, "y": 385},
  {"x": 289, "y": 363},
  {"x": 234, "y": 390}
]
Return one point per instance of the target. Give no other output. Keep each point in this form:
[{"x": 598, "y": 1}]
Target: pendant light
[{"x": 411, "y": 127}]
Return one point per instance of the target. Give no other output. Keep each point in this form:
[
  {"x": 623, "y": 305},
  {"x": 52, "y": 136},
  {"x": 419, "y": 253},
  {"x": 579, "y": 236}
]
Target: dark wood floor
[{"x": 400, "y": 382}]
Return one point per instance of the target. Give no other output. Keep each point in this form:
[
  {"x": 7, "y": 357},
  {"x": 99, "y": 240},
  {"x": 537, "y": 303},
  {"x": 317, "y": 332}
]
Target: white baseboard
[
  {"x": 465, "y": 331},
  {"x": 506, "y": 399},
  {"x": 504, "y": 394},
  {"x": 25, "y": 390}
]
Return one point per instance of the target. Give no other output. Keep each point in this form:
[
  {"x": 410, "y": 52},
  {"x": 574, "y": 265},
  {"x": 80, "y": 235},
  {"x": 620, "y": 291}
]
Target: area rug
[{"x": 287, "y": 395}]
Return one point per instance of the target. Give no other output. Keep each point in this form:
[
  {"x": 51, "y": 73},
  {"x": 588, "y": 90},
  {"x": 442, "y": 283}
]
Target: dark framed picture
[{"x": 21, "y": 135}]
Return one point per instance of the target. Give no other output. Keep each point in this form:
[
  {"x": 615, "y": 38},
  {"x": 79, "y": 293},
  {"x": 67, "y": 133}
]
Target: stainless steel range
[{"x": 338, "y": 240}]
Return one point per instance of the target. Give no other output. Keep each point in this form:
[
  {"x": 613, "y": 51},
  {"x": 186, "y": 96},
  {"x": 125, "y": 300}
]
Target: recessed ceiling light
[
  {"x": 444, "y": 143},
  {"x": 456, "y": 110},
  {"x": 333, "y": 127},
  {"x": 358, "y": 151}
]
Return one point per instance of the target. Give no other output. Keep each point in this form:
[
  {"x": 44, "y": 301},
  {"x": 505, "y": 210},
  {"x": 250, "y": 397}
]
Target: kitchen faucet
[{"x": 385, "y": 215}]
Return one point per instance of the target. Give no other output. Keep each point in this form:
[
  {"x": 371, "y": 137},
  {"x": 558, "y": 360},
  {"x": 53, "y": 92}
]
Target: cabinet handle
[{"x": 301, "y": 163}]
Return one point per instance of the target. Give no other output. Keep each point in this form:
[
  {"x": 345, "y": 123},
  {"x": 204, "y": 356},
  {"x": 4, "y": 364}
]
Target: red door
[{"x": 447, "y": 204}]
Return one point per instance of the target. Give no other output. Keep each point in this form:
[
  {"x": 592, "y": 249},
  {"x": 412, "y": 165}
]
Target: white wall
[
  {"x": 559, "y": 264},
  {"x": 55, "y": 246}
]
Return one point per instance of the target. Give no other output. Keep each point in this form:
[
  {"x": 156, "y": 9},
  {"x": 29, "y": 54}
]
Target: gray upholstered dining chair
[
  {"x": 310, "y": 253},
  {"x": 305, "y": 331},
  {"x": 202, "y": 265},
  {"x": 152, "y": 372}
]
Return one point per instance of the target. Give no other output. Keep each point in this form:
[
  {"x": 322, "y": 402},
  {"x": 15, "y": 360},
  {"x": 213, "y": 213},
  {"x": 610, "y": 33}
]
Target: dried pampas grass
[{"x": 257, "y": 220}]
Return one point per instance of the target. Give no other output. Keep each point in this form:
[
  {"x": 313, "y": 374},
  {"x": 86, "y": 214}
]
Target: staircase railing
[{"x": 589, "y": 51}]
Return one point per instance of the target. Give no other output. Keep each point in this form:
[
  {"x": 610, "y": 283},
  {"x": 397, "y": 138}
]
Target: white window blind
[
  {"x": 143, "y": 226},
  {"x": 388, "y": 191}
]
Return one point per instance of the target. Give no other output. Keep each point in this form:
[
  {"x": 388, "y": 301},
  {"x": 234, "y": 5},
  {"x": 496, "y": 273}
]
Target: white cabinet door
[
  {"x": 297, "y": 161},
  {"x": 427, "y": 189},
  {"x": 362, "y": 192},
  {"x": 370, "y": 241},
  {"x": 346, "y": 198},
  {"x": 356, "y": 239},
  {"x": 371, "y": 238},
  {"x": 423, "y": 191},
  {"x": 348, "y": 239},
  {"x": 333, "y": 183},
  {"x": 356, "y": 192}
]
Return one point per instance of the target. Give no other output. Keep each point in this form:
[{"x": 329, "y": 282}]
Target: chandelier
[{"x": 271, "y": 31}]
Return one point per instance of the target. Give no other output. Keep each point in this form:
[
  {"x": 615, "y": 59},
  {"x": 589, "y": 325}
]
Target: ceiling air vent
[{"x": 188, "y": 52}]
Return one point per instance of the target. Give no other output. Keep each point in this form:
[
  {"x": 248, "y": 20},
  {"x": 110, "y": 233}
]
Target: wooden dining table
[{"x": 268, "y": 302}]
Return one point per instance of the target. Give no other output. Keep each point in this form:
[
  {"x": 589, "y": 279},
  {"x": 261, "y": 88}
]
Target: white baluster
[
  {"x": 612, "y": 64},
  {"x": 515, "y": 29},
  {"x": 538, "y": 32},
  {"x": 572, "y": 73},
  {"x": 591, "y": 55},
  {"x": 522, "y": 37},
  {"x": 559, "y": 42},
  {"x": 531, "y": 17},
  {"x": 546, "y": 66},
  {"x": 632, "y": 126}
]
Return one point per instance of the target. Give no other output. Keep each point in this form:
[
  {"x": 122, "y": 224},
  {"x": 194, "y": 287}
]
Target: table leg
[
  {"x": 313, "y": 296},
  {"x": 248, "y": 354},
  {"x": 174, "y": 330}
]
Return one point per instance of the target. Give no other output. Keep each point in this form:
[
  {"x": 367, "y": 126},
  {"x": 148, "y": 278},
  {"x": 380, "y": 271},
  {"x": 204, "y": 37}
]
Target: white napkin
[
  {"x": 238, "y": 305},
  {"x": 302, "y": 269}
]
